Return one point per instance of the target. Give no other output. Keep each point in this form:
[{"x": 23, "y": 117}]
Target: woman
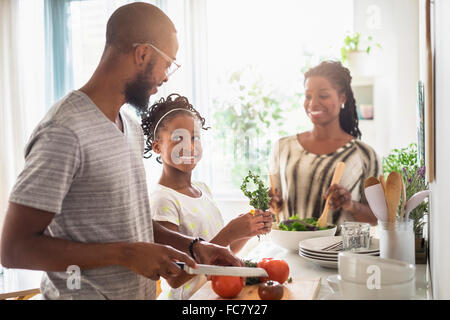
[{"x": 302, "y": 165}]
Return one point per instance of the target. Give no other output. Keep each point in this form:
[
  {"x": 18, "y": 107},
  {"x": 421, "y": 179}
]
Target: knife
[{"x": 224, "y": 270}]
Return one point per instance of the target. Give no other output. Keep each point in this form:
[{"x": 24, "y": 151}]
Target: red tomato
[
  {"x": 270, "y": 290},
  {"x": 263, "y": 262},
  {"x": 227, "y": 286},
  {"x": 277, "y": 269}
]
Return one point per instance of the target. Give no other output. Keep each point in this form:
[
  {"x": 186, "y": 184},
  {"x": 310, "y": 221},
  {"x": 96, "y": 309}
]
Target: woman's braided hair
[
  {"x": 340, "y": 78},
  {"x": 155, "y": 112}
]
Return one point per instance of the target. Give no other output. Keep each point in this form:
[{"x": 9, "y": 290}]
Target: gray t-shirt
[{"x": 81, "y": 167}]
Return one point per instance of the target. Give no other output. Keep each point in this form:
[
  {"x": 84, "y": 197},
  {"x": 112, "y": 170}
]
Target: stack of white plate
[{"x": 314, "y": 250}]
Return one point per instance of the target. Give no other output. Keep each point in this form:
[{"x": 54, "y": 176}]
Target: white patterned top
[
  {"x": 304, "y": 177},
  {"x": 195, "y": 217}
]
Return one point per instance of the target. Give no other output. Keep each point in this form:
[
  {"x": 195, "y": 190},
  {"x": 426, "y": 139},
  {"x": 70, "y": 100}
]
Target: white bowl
[
  {"x": 290, "y": 239},
  {"x": 359, "y": 291},
  {"x": 358, "y": 268}
]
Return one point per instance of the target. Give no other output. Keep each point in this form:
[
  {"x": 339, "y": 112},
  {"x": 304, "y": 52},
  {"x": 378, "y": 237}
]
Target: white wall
[
  {"x": 440, "y": 213},
  {"x": 396, "y": 96},
  {"x": 396, "y": 71}
]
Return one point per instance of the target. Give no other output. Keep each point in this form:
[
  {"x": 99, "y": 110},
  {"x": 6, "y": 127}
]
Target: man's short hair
[{"x": 137, "y": 22}]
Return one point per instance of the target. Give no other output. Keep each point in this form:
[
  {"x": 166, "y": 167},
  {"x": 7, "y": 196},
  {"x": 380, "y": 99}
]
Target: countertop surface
[
  {"x": 254, "y": 250},
  {"x": 300, "y": 268},
  {"x": 18, "y": 282}
]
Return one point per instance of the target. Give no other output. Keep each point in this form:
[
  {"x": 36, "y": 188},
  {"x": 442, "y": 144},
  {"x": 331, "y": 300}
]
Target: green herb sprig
[
  {"x": 259, "y": 198},
  {"x": 251, "y": 280}
]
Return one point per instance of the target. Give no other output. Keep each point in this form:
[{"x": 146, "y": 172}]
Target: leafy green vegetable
[
  {"x": 251, "y": 280},
  {"x": 300, "y": 224},
  {"x": 299, "y": 227},
  {"x": 259, "y": 198}
]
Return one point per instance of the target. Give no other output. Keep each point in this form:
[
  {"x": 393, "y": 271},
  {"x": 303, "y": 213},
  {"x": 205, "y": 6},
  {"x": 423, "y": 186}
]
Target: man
[{"x": 81, "y": 202}]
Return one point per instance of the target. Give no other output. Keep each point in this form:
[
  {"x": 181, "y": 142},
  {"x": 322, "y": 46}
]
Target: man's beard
[{"x": 136, "y": 91}]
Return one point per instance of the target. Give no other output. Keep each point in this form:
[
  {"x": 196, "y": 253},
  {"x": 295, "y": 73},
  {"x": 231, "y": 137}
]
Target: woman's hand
[
  {"x": 340, "y": 197},
  {"x": 276, "y": 200}
]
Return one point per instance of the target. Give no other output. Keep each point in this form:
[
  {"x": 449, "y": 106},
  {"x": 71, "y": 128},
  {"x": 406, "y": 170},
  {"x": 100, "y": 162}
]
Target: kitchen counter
[
  {"x": 19, "y": 283},
  {"x": 253, "y": 250},
  {"x": 301, "y": 268}
]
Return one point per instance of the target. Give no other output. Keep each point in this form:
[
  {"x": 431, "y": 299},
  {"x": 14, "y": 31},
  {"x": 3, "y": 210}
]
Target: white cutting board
[{"x": 298, "y": 289}]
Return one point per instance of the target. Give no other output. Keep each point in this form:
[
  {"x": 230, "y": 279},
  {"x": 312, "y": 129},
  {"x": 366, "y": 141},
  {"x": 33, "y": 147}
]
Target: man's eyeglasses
[{"x": 173, "y": 65}]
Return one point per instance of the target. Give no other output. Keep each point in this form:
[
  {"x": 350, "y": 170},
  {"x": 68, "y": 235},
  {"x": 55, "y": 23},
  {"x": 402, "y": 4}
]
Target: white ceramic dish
[
  {"x": 358, "y": 291},
  {"x": 338, "y": 296},
  {"x": 362, "y": 291},
  {"x": 332, "y": 256},
  {"x": 290, "y": 239},
  {"x": 357, "y": 268},
  {"x": 333, "y": 296},
  {"x": 317, "y": 245},
  {"x": 312, "y": 256},
  {"x": 322, "y": 263}
]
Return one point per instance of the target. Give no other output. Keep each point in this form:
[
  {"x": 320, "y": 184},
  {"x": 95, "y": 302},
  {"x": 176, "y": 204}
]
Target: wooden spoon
[
  {"x": 402, "y": 212},
  {"x": 322, "y": 222},
  {"x": 370, "y": 181},
  {"x": 383, "y": 182},
  {"x": 393, "y": 194}
]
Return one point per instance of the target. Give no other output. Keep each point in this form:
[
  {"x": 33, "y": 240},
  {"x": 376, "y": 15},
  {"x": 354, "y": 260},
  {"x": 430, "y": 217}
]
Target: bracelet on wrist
[{"x": 191, "y": 246}]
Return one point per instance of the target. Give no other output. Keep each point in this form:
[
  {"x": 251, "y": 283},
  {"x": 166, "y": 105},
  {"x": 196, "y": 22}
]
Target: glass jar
[{"x": 397, "y": 240}]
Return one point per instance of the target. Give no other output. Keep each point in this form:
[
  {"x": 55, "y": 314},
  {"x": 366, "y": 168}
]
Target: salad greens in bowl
[
  {"x": 294, "y": 230},
  {"x": 294, "y": 223}
]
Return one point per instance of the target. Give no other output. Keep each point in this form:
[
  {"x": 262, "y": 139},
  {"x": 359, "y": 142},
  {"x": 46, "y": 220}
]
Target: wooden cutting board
[{"x": 298, "y": 289}]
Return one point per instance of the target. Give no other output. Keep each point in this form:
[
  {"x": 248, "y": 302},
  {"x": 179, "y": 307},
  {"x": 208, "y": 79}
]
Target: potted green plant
[
  {"x": 355, "y": 53},
  {"x": 405, "y": 161}
]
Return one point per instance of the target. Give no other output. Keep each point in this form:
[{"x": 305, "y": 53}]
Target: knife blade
[{"x": 224, "y": 270}]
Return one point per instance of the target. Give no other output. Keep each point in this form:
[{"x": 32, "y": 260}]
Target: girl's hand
[
  {"x": 248, "y": 225},
  {"x": 268, "y": 219},
  {"x": 276, "y": 200},
  {"x": 340, "y": 197}
]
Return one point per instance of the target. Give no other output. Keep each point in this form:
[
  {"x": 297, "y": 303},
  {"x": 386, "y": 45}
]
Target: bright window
[
  {"x": 247, "y": 67},
  {"x": 88, "y": 24},
  {"x": 257, "y": 51}
]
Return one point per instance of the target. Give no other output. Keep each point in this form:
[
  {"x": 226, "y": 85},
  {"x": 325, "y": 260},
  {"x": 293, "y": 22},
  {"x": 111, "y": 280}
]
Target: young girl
[{"x": 172, "y": 129}]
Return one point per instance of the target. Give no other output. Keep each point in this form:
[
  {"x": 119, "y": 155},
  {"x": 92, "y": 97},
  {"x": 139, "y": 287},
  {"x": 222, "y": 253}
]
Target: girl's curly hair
[
  {"x": 340, "y": 78},
  {"x": 155, "y": 112}
]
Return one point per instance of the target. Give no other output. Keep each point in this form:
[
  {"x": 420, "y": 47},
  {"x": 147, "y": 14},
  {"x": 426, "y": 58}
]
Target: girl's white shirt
[{"x": 195, "y": 217}]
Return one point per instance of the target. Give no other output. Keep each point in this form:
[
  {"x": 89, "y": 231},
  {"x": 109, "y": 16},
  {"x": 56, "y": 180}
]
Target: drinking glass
[{"x": 355, "y": 236}]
